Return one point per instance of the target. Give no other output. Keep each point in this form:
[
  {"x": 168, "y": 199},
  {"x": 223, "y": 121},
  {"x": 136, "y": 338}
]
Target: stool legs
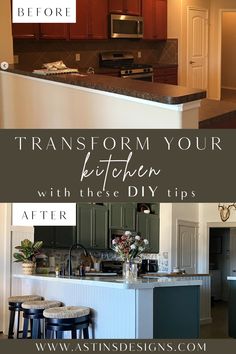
[
  {"x": 11, "y": 324},
  {"x": 15, "y": 310},
  {"x": 34, "y": 317},
  {"x": 86, "y": 333},
  {"x": 25, "y": 328}
]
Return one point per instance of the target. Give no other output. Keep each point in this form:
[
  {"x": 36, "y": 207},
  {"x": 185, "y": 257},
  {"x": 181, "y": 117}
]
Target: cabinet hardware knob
[{"x": 192, "y": 62}]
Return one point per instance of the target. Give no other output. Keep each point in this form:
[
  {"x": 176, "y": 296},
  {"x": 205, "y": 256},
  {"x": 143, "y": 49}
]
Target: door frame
[
  {"x": 219, "y": 224},
  {"x": 197, "y": 8},
  {"x": 195, "y": 225},
  {"x": 221, "y": 12}
]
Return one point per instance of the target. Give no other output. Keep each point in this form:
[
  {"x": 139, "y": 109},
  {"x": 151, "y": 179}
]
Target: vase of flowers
[
  {"x": 27, "y": 255},
  {"x": 129, "y": 247}
]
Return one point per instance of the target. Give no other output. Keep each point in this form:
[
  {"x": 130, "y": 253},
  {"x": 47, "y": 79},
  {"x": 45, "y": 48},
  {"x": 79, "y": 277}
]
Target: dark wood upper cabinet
[
  {"x": 79, "y": 30},
  {"x": 155, "y": 19},
  {"x": 131, "y": 7},
  {"x": 25, "y": 30},
  {"x": 53, "y": 31},
  {"x": 91, "y": 20},
  {"x": 98, "y": 22},
  {"x": 116, "y": 6},
  {"x": 161, "y": 19}
]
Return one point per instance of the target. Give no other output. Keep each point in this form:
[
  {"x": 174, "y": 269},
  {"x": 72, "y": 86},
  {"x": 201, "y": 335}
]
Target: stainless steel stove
[{"x": 128, "y": 69}]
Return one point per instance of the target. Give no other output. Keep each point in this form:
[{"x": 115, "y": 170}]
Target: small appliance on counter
[
  {"x": 42, "y": 264},
  {"x": 112, "y": 267},
  {"x": 149, "y": 266}
]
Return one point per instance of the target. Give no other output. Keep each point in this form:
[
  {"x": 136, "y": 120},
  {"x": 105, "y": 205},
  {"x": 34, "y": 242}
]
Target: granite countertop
[
  {"x": 155, "y": 275},
  {"x": 114, "y": 282},
  {"x": 155, "y": 92}
]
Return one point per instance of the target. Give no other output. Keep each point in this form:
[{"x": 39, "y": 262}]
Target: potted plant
[{"x": 27, "y": 255}]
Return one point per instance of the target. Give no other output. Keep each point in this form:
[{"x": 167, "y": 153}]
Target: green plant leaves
[{"x": 27, "y": 251}]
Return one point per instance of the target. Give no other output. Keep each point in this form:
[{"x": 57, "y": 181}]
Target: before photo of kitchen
[
  {"x": 161, "y": 270},
  {"x": 170, "y": 61}
]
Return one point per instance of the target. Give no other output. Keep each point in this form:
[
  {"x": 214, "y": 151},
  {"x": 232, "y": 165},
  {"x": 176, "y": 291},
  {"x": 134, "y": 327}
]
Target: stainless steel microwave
[{"x": 123, "y": 26}]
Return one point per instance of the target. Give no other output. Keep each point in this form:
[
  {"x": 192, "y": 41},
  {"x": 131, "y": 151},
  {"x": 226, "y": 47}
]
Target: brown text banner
[{"x": 117, "y": 165}]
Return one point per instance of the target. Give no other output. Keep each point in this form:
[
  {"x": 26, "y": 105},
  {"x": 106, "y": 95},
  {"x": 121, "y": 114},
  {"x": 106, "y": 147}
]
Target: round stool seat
[
  {"x": 66, "y": 312},
  {"x": 24, "y": 298},
  {"x": 40, "y": 305}
]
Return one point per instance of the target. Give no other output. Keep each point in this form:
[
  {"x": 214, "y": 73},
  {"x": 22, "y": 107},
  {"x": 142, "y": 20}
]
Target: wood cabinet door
[
  {"x": 100, "y": 227},
  {"x": 155, "y": 19},
  {"x": 142, "y": 225},
  {"x": 132, "y": 7},
  {"x": 161, "y": 19},
  {"x": 115, "y": 216},
  {"x": 79, "y": 30},
  {"x": 129, "y": 216},
  {"x": 166, "y": 75},
  {"x": 148, "y": 227},
  {"x": 25, "y": 30},
  {"x": 153, "y": 233},
  {"x": 53, "y": 31},
  {"x": 116, "y": 6},
  {"x": 98, "y": 19},
  {"x": 149, "y": 21},
  {"x": 85, "y": 225}
]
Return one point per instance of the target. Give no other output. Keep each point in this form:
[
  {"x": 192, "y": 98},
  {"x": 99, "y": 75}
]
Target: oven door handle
[{"x": 137, "y": 76}]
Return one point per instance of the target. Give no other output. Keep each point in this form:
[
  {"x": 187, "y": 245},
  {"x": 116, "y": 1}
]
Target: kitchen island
[
  {"x": 78, "y": 100},
  {"x": 146, "y": 308}
]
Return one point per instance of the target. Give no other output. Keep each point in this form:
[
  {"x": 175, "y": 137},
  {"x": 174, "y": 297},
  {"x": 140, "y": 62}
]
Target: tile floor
[
  {"x": 228, "y": 95},
  {"x": 219, "y": 114},
  {"x": 219, "y": 326}
]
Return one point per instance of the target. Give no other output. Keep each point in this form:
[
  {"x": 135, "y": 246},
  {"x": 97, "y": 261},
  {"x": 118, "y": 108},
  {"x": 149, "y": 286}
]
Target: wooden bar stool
[
  {"x": 15, "y": 303},
  {"x": 67, "y": 318},
  {"x": 33, "y": 310}
]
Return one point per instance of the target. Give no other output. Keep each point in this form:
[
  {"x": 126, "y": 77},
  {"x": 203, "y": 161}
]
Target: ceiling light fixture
[{"x": 224, "y": 210}]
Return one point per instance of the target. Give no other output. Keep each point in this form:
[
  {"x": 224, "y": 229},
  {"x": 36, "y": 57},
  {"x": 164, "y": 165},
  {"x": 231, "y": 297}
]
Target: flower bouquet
[{"x": 129, "y": 247}]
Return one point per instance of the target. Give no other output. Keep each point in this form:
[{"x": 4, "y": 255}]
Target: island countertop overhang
[
  {"x": 154, "y": 92},
  {"x": 113, "y": 282}
]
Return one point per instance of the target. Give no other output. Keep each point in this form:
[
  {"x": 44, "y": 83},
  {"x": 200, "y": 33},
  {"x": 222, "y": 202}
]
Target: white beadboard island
[{"x": 143, "y": 309}]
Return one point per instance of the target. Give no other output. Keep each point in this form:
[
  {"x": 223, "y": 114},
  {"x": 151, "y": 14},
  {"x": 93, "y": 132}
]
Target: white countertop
[{"x": 114, "y": 282}]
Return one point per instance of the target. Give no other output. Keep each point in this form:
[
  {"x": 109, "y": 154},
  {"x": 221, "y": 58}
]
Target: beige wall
[
  {"x": 228, "y": 73},
  {"x": 177, "y": 28},
  {"x": 6, "y": 44},
  {"x": 215, "y": 44}
]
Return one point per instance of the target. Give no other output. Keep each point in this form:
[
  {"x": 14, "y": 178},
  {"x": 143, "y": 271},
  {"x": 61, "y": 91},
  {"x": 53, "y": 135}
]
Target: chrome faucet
[{"x": 75, "y": 246}]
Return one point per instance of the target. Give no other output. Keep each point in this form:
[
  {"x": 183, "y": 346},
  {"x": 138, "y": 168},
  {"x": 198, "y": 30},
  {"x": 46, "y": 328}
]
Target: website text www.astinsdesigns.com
[{"x": 125, "y": 346}]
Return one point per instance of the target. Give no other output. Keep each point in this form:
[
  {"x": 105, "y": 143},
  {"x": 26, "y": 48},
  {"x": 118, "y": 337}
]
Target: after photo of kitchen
[{"x": 162, "y": 270}]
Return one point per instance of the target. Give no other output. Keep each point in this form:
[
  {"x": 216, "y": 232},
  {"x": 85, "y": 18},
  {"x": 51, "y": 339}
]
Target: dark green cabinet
[
  {"x": 176, "y": 312},
  {"x": 92, "y": 225},
  {"x": 122, "y": 216},
  {"x": 148, "y": 227},
  {"x": 55, "y": 236}
]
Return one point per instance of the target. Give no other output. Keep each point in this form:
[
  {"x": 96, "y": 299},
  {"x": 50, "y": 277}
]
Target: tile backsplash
[
  {"x": 34, "y": 53},
  {"x": 61, "y": 257}
]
